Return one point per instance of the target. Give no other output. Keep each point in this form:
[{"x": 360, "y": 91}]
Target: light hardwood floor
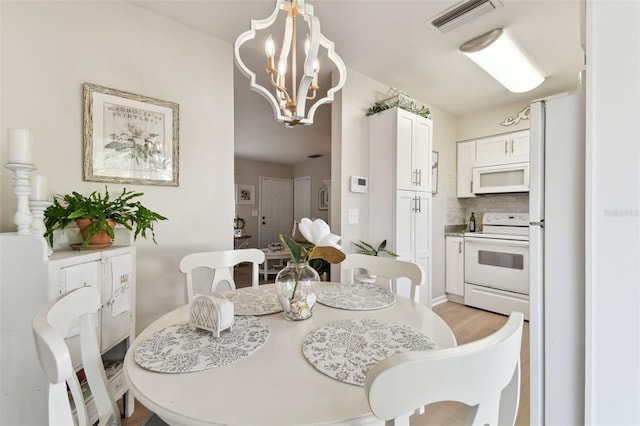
[{"x": 468, "y": 324}]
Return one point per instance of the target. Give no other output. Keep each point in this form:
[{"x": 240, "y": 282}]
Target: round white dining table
[{"x": 275, "y": 385}]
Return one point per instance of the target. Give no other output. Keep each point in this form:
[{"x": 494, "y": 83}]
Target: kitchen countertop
[{"x": 455, "y": 230}]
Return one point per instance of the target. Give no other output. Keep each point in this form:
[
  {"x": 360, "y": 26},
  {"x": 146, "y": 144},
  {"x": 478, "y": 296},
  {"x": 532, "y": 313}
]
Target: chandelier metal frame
[{"x": 290, "y": 102}]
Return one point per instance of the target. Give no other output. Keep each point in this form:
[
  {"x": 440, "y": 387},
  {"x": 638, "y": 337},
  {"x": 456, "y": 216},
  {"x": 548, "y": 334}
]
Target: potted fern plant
[{"x": 97, "y": 214}]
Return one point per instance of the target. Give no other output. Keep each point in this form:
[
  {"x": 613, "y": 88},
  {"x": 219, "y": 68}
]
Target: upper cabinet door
[
  {"x": 466, "y": 160},
  {"x": 413, "y": 152},
  {"x": 421, "y": 154},
  {"x": 492, "y": 150},
  {"x": 405, "y": 135},
  {"x": 519, "y": 146}
]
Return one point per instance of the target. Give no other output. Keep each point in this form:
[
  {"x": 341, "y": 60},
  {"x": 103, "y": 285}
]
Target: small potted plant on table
[{"x": 96, "y": 216}]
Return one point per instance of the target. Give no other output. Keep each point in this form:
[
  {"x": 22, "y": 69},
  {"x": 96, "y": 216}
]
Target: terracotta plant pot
[{"x": 100, "y": 238}]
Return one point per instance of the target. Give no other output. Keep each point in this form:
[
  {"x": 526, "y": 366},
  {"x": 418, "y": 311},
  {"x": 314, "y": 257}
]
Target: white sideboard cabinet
[
  {"x": 399, "y": 211},
  {"x": 29, "y": 279}
]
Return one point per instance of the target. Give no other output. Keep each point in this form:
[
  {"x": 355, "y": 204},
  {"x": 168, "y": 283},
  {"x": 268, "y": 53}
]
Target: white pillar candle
[
  {"x": 39, "y": 188},
  {"x": 20, "y": 147}
]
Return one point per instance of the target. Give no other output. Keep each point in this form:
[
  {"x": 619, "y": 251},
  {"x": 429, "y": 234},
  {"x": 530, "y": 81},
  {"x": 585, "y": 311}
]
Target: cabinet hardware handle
[
  {"x": 471, "y": 187},
  {"x": 511, "y": 147},
  {"x": 506, "y": 147},
  {"x": 459, "y": 246},
  {"x": 419, "y": 177}
]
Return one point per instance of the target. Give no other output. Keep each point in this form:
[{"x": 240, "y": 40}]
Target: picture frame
[
  {"x": 245, "y": 194},
  {"x": 434, "y": 172},
  {"x": 129, "y": 138},
  {"x": 323, "y": 201}
]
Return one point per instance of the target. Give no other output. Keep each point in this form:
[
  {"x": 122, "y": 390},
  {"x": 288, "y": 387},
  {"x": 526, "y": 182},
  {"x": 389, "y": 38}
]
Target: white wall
[
  {"x": 613, "y": 214},
  {"x": 50, "y": 48},
  {"x": 487, "y": 122}
]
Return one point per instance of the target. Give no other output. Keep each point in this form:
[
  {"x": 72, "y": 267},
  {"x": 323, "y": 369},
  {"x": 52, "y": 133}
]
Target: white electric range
[{"x": 496, "y": 264}]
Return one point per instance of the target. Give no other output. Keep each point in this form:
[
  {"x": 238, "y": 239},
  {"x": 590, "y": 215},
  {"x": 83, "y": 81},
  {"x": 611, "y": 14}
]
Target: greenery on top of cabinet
[{"x": 400, "y": 100}]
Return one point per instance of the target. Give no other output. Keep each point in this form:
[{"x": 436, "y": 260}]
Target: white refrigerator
[{"x": 557, "y": 266}]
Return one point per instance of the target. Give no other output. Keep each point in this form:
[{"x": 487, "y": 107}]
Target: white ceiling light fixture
[
  {"x": 291, "y": 95},
  {"x": 497, "y": 54}
]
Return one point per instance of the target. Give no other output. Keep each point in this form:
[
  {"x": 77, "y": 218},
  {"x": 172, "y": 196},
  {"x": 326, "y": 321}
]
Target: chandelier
[{"x": 294, "y": 100}]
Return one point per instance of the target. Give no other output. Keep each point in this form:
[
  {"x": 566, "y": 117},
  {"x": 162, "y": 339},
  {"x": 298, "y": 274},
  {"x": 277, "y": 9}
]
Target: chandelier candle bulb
[
  {"x": 20, "y": 146},
  {"x": 39, "y": 188}
]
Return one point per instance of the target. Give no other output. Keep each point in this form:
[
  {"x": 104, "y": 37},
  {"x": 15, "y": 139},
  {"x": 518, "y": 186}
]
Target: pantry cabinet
[
  {"x": 400, "y": 211},
  {"x": 503, "y": 149},
  {"x": 454, "y": 265},
  {"x": 31, "y": 278}
]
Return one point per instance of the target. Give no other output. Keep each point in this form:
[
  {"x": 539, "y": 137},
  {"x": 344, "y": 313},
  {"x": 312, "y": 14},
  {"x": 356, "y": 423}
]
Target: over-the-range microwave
[{"x": 501, "y": 178}]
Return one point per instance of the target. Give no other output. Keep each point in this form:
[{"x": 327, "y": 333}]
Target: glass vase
[{"x": 295, "y": 287}]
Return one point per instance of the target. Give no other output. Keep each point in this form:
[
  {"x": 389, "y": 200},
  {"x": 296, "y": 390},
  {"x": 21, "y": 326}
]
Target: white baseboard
[{"x": 439, "y": 300}]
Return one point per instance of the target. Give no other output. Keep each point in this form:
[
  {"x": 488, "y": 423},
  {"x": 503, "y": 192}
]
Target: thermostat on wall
[{"x": 359, "y": 184}]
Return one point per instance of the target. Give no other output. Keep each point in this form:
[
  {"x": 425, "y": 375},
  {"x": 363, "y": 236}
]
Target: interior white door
[
  {"x": 276, "y": 209},
  {"x": 301, "y": 198}
]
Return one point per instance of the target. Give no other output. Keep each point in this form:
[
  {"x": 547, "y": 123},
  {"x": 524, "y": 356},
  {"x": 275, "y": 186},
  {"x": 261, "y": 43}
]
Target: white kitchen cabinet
[
  {"x": 30, "y": 278},
  {"x": 465, "y": 162},
  {"x": 406, "y": 138},
  {"x": 400, "y": 216},
  {"x": 454, "y": 265},
  {"x": 503, "y": 149}
]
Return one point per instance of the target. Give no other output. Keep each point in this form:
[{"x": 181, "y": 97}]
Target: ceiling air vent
[{"x": 463, "y": 13}]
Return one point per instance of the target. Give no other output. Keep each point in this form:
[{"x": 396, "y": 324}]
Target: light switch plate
[
  {"x": 254, "y": 213},
  {"x": 352, "y": 216}
]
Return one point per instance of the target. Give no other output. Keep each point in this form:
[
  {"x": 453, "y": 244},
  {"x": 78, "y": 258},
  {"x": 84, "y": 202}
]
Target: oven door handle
[{"x": 491, "y": 241}]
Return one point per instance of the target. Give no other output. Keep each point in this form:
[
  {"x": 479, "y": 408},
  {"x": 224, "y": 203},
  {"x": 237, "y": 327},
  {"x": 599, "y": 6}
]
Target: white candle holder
[
  {"x": 37, "y": 208},
  {"x": 21, "y": 187}
]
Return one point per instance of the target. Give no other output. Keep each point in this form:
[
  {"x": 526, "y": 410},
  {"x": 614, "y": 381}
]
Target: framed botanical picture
[
  {"x": 434, "y": 172},
  {"x": 245, "y": 194},
  {"x": 129, "y": 138}
]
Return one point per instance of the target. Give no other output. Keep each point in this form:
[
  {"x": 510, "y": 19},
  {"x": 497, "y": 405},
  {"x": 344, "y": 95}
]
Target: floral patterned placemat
[
  {"x": 345, "y": 350},
  {"x": 356, "y": 297},
  {"x": 254, "y": 301},
  {"x": 178, "y": 349}
]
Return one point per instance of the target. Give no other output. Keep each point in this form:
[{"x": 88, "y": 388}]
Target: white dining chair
[
  {"x": 222, "y": 264},
  {"x": 386, "y": 270},
  {"x": 50, "y": 325},
  {"x": 484, "y": 374}
]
